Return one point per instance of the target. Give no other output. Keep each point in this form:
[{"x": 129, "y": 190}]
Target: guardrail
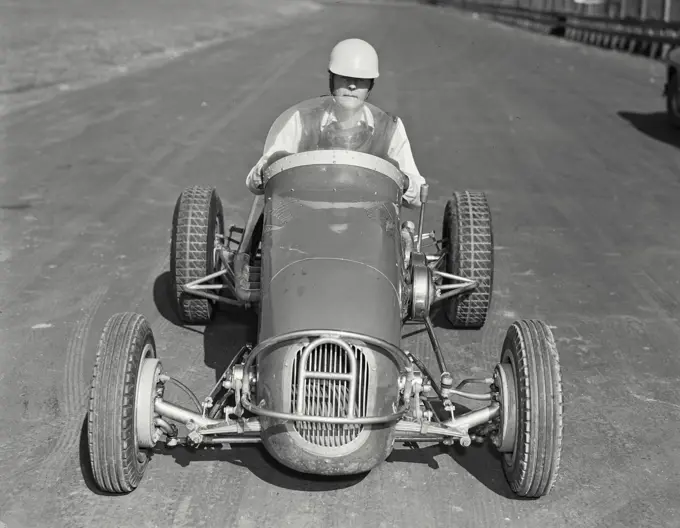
[{"x": 644, "y": 36}]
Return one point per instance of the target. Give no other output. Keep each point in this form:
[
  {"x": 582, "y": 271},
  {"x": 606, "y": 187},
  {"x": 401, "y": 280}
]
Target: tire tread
[
  {"x": 539, "y": 409},
  {"x": 192, "y": 225},
  {"x": 471, "y": 256},
  {"x": 111, "y": 412}
]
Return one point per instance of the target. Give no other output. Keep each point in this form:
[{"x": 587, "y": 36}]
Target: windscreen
[{"x": 332, "y": 123}]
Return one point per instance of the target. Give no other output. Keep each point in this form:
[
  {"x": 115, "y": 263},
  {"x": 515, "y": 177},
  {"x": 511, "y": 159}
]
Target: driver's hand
[
  {"x": 274, "y": 157},
  {"x": 263, "y": 165},
  {"x": 407, "y": 181},
  {"x": 258, "y": 179}
]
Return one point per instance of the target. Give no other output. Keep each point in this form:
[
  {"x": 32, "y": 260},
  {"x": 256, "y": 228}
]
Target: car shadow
[
  {"x": 482, "y": 461},
  {"x": 162, "y": 298},
  {"x": 86, "y": 464},
  {"x": 231, "y": 328},
  {"x": 654, "y": 125},
  {"x": 256, "y": 459}
]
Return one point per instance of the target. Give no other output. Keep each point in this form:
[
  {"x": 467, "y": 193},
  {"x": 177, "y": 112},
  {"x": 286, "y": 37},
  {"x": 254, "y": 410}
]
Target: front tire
[
  {"x": 528, "y": 378},
  {"x": 197, "y": 221},
  {"x": 118, "y": 462},
  {"x": 468, "y": 243}
]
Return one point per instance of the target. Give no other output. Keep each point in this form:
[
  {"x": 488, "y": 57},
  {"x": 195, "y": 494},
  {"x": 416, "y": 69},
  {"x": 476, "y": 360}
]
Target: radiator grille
[{"x": 330, "y": 398}]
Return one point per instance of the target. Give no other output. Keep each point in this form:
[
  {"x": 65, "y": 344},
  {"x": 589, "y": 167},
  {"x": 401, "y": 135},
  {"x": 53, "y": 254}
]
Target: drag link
[
  {"x": 472, "y": 395},
  {"x": 469, "y": 381},
  {"x": 456, "y": 391},
  {"x": 446, "y": 380}
]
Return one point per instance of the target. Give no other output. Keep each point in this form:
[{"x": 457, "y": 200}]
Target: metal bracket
[
  {"x": 451, "y": 290},
  {"x": 198, "y": 287}
]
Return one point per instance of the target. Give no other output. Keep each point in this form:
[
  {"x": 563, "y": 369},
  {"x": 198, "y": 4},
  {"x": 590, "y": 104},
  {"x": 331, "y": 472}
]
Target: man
[{"x": 353, "y": 69}]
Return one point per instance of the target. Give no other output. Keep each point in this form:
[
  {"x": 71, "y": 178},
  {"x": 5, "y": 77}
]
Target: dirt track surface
[
  {"x": 51, "y": 47},
  {"x": 582, "y": 178}
]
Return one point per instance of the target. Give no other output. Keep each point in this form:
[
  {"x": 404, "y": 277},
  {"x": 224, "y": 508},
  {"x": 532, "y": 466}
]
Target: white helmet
[{"x": 354, "y": 58}]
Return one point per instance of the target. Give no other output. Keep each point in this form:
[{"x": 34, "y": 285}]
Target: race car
[{"x": 334, "y": 274}]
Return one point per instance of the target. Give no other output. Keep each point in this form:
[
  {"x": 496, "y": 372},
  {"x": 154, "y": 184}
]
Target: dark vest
[{"x": 377, "y": 144}]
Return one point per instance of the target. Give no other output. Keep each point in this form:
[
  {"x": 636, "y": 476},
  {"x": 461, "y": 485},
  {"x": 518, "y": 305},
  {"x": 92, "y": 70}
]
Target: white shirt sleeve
[
  {"x": 287, "y": 139},
  {"x": 400, "y": 151}
]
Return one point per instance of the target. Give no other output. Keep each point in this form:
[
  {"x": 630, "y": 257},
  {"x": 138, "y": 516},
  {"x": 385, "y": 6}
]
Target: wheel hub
[
  {"x": 149, "y": 373},
  {"x": 507, "y": 396},
  {"x": 217, "y": 245},
  {"x": 422, "y": 287}
]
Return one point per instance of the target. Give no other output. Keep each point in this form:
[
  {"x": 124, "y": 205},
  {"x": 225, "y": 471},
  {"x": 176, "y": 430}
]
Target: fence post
[
  {"x": 667, "y": 10},
  {"x": 643, "y": 9},
  {"x": 665, "y": 48}
]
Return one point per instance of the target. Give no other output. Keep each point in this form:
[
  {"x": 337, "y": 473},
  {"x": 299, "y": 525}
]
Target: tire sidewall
[
  {"x": 673, "y": 100},
  {"x": 452, "y": 236},
  {"x": 215, "y": 214},
  {"x": 138, "y": 351},
  {"x": 512, "y": 352},
  {"x": 532, "y": 466}
]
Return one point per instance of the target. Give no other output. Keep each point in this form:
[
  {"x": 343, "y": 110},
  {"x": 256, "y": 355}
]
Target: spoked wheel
[
  {"x": 121, "y": 428},
  {"x": 468, "y": 242},
  {"x": 197, "y": 235},
  {"x": 673, "y": 101},
  {"x": 529, "y": 383}
]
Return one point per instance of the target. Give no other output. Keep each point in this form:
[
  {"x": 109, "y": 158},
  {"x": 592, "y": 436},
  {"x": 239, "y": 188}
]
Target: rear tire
[
  {"x": 673, "y": 100},
  {"x": 198, "y": 217},
  {"x": 532, "y": 416},
  {"x": 118, "y": 463},
  {"x": 468, "y": 242}
]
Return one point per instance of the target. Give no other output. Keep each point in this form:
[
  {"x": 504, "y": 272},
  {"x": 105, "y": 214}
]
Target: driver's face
[{"x": 349, "y": 86}]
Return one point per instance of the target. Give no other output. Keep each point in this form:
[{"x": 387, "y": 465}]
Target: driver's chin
[{"x": 349, "y": 101}]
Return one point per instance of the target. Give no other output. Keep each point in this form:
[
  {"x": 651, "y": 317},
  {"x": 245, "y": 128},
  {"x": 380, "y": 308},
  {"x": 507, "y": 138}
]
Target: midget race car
[
  {"x": 334, "y": 275},
  {"x": 671, "y": 90}
]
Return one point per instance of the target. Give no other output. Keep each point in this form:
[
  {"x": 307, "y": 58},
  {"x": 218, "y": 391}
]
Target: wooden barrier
[{"x": 613, "y": 27}]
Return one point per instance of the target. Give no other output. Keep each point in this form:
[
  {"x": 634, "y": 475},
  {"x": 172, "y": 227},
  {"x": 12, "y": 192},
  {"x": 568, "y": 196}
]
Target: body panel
[{"x": 331, "y": 251}]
